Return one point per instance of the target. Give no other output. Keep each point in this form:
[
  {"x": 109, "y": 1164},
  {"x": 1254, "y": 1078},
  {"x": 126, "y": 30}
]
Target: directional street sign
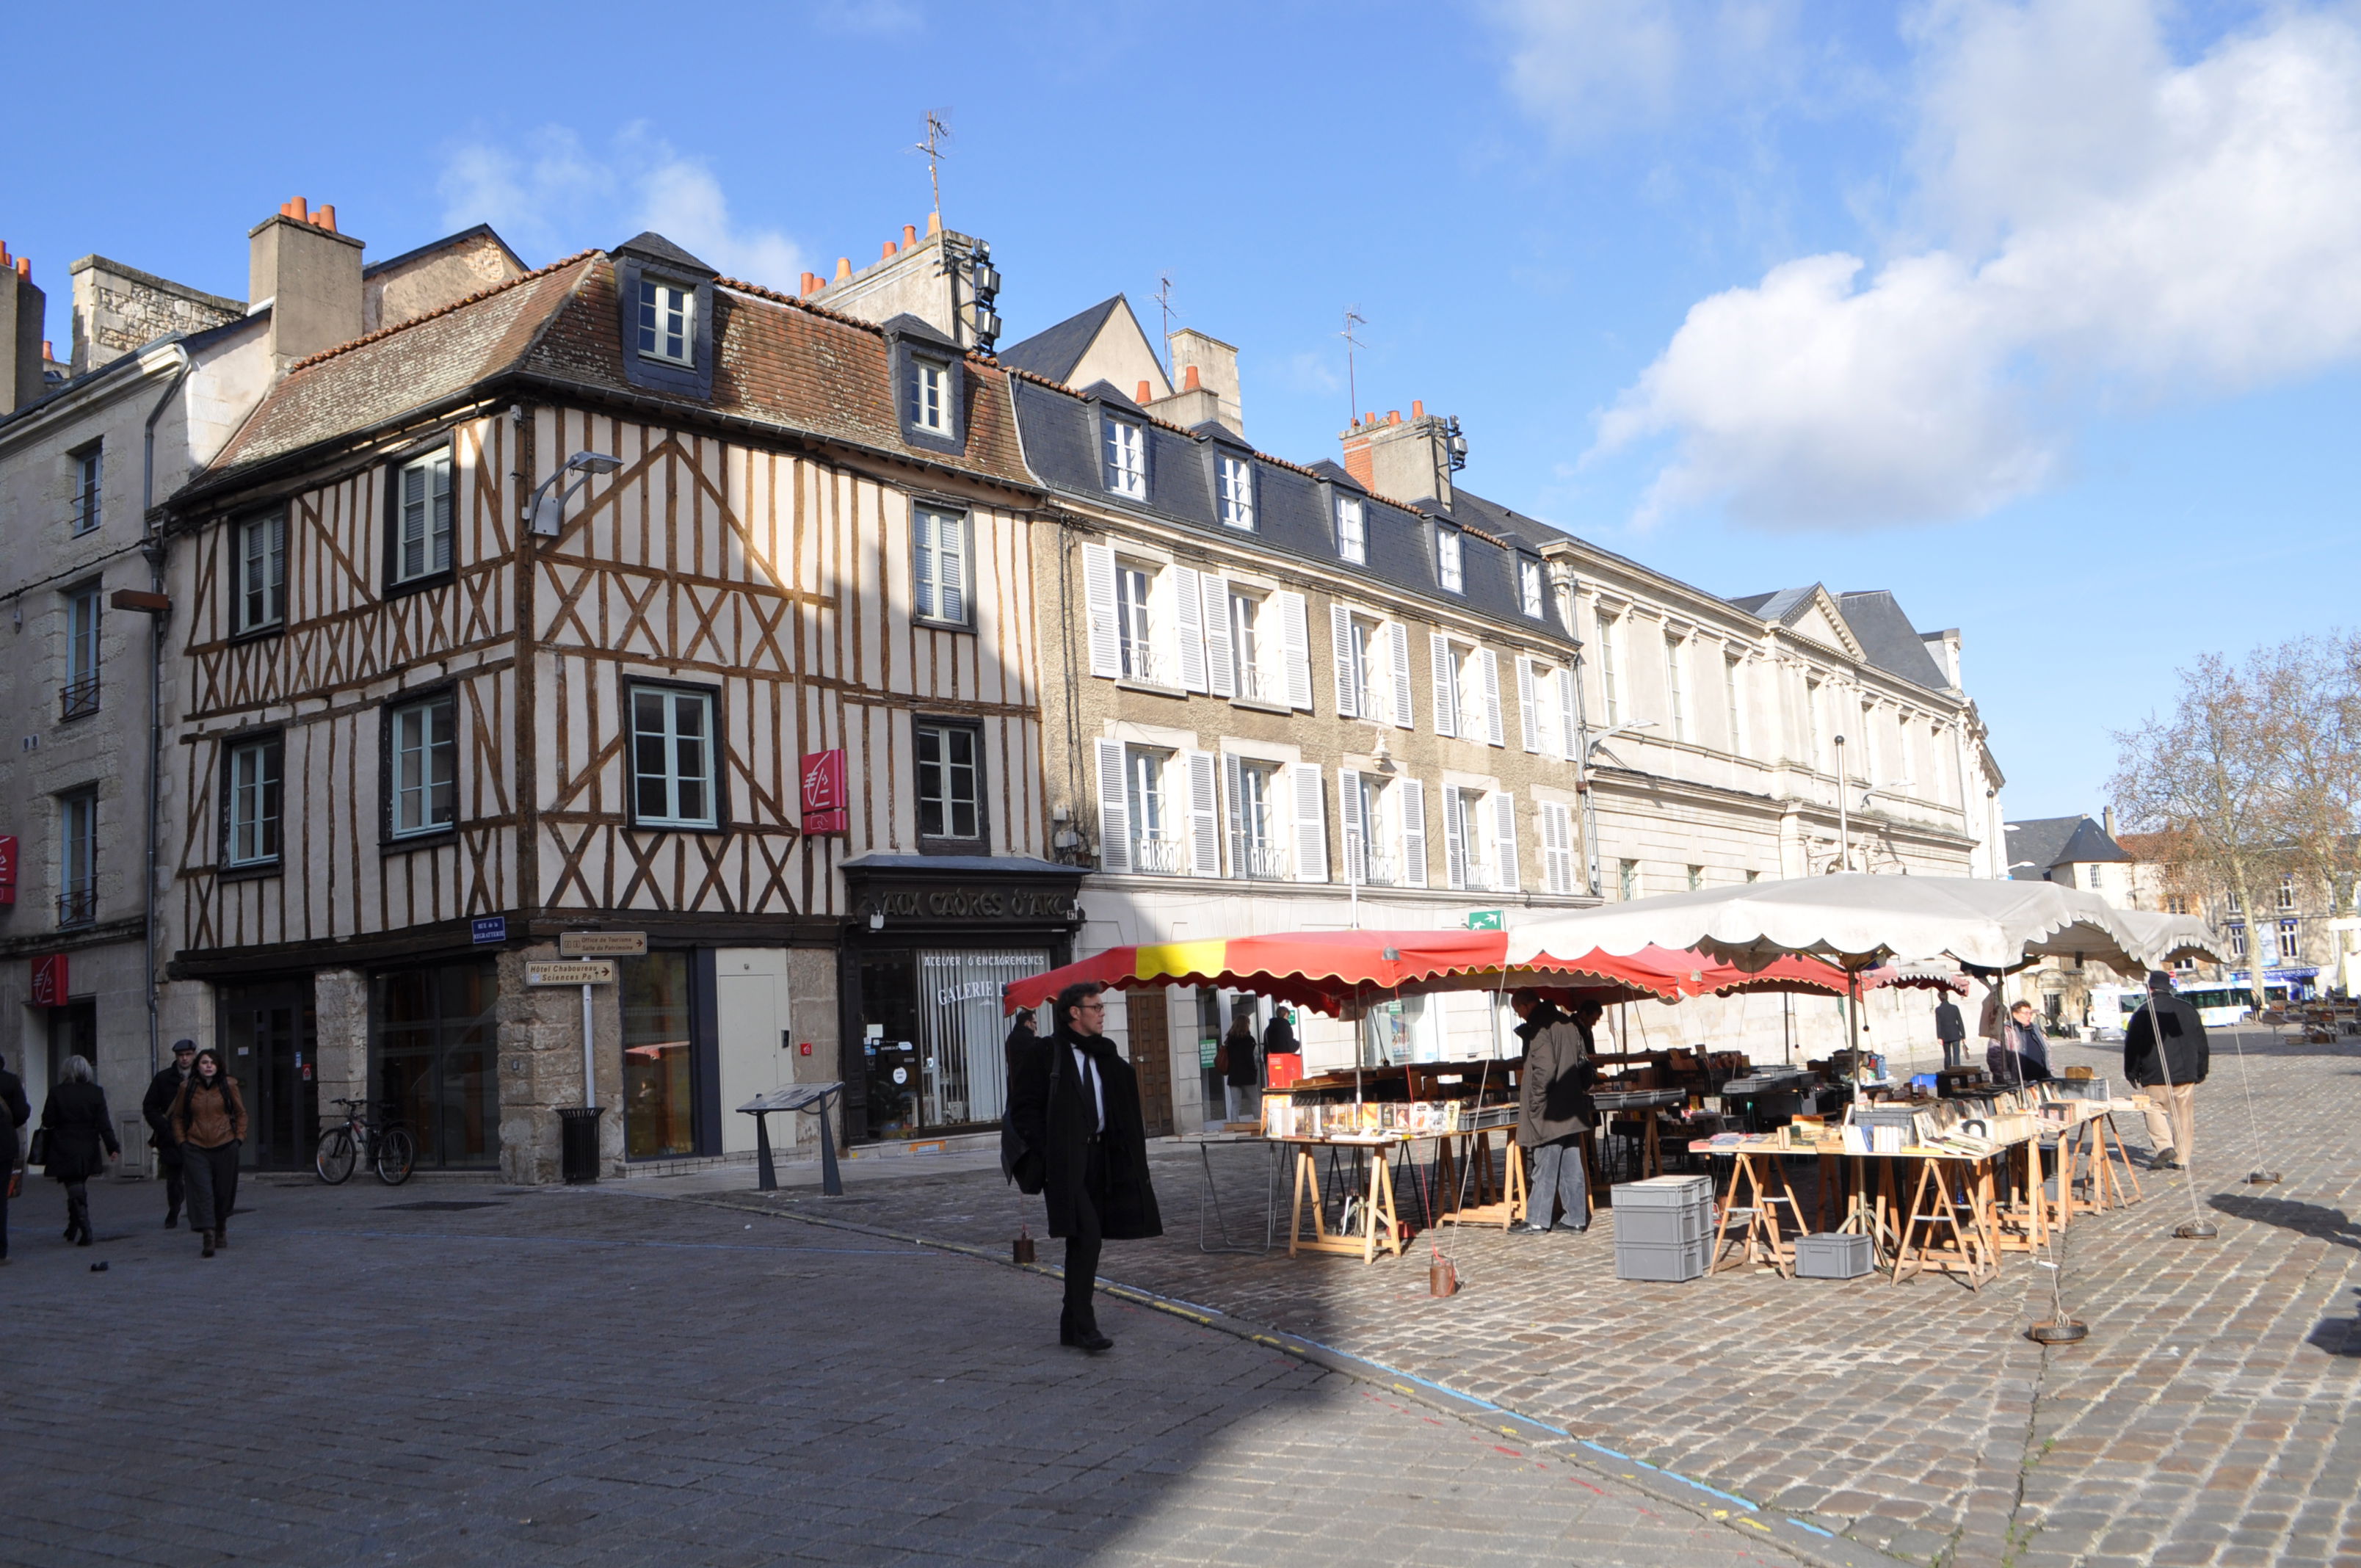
[
  {"x": 563, "y": 971},
  {"x": 603, "y": 944}
]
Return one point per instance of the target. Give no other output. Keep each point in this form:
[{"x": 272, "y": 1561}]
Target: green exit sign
[{"x": 1483, "y": 920}]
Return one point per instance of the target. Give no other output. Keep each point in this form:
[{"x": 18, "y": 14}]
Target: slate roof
[
  {"x": 1055, "y": 351},
  {"x": 448, "y": 242},
  {"x": 778, "y": 362},
  {"x": 1291, "y": 515},
  {"x": 1874, "y": 617},
  {"x": 2048, "y": 842},
  {"x": 650, "y": 244}
]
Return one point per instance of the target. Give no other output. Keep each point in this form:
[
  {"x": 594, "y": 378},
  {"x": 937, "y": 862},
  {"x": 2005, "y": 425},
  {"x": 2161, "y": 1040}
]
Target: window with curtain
[
  {"x": 421, "y": 540},
  {"x": 938, "y": 560},
  {"x": 259, "y": 548},
  {"x": 424, "y": 765}
]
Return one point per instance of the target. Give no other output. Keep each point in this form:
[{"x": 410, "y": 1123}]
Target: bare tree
[
  {"x": 2211, "y": 781},
  {"x": 2316, "y": 690}
]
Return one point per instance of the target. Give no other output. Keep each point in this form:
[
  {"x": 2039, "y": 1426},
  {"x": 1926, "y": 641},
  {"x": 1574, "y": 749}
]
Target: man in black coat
[
  {"x": 1076, "y": 1136},
  {"x": 2169, "y": 1077},
  {"x": 156, "y": 1105},
  {"x": 1952, "y": 1031},
  {"x": 1554, "y": 1109},
  {"x": 15, "y": 1112}
]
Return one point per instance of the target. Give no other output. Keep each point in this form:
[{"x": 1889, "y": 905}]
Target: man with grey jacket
[{"x": 1554, "y": 1109}]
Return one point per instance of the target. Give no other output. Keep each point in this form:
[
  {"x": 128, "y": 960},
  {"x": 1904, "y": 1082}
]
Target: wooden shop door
[{"x": 1152, "y": 1058}]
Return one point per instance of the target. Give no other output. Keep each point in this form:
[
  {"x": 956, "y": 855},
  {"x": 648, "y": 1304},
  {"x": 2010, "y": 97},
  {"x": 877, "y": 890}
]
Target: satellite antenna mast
[
  {"x": 938, "y": 131},
  {"x": 1164, "y": 302},
  {"x": 1352, "y": 318}
]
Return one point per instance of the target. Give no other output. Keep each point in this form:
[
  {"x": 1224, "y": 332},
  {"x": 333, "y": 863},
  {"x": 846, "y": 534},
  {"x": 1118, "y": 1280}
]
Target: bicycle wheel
[
  {"x": 334, "y": 1160},
  {"x": 397, "y": 1156}
]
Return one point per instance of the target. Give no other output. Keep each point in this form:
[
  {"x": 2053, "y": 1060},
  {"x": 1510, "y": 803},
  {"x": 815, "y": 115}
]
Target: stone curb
[{"x": 1750, "y": 1521}]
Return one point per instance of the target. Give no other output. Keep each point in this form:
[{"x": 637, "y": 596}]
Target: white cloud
[
  {"x": 552, "y": 196},
  {"x": 1585, "y": 69},
  {"x": 2106, "y": 225}
]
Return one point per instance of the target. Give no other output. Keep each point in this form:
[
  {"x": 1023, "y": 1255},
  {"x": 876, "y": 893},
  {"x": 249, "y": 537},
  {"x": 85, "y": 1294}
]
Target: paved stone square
[
  {"x": 459, "y": 1372},
  {"x": 2208, "y": 1418}
]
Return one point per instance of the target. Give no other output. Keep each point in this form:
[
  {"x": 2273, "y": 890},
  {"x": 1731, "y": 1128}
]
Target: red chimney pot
[
  {"x": 887, "y": 254},
  {"x": 909, "y": 236},
  {"x": 1418, "y": 407},
  {"x": 327, "y": 218},
  {"x": 1189, "y": 379},
  {"x": 1393, "y": 416},
  {"x": 1143, "y": 393}
]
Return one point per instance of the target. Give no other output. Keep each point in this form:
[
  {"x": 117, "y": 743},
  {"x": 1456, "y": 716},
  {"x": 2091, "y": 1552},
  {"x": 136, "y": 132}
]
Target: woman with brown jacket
[{"x": 208, "y": 1117}]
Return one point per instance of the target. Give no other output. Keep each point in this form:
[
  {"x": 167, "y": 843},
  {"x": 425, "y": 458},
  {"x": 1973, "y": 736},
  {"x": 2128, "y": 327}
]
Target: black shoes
[
  {"x": 171, "y": 1219},
  {"x": 1083, "y": 1334},
  {"x": 1561, "y": 1228},
  {"x": 208, "y": 1238},
  {"x": 1527, "y": 1228}
]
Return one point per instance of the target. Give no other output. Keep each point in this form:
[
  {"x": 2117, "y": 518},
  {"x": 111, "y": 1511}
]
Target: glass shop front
[{"x": 933, "y": 940}]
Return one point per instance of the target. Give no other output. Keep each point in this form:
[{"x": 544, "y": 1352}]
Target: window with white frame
[
  {"x": 1813, "y": 752},
  {"x": 1246, "y": 647},
  {"x": 1697, "y": 878},
  {"x": 259, "y": 550},
  {"x": 939, "y": 565},
  {"x": 671, "y": 759},
  {"x": 1125, "y": 456},
  {"x": 1676, "y": 693},
  {"x": 668, "y": 322},
  {"x": 930, "y": 395},
  {"x": 2095, "y": 877},
  {"x": 2287, "y": 891},
  {"x": 254, "y": 792},
  {"x": 2238, "y": 906},
  {"x": 89, "y": 470},
  {"x": 2237, "y": 941},
  {"x": 1234, "y": 479},
  {"x": 2289, "y": 950},
  {"x": 1449, "y": 570},
  {"x": 1869, "y": 750},
  {"x": 78, "y": 856},
  {"x": 1610, "y": 673},
  {"x": 422, "y": 517},
  {"x": 1156, "y": 844},
  {"x": 1557, "y": 847},
  {"x": 1626, "y": 879},
  {"x": 1528, "y": 587},
  {"x": 1135, "y": 630},
  {"x": 950, "y": 773},
  {"x": 423, "y": 754},
  {"x": 1257, "y": 843},
  {"x": 1352, "y": 531},
  {"x": 1734, "y": 713},
  {"x": 1372, "y": 830},
  {"x": 83, "y": 619},
  {"x": 1479, "y": 838}
]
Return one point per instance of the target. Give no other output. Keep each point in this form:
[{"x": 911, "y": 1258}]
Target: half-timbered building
[{"x": 620, "y": 597}]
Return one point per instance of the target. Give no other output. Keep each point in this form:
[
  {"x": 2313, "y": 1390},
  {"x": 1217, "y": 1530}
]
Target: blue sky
[{"x": 2045, "y": 315}]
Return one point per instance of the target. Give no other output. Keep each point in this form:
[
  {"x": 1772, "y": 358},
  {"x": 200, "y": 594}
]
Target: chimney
[
  {"x": 1405, "y": 459},
  {"x": 1208, "y": 370},
  {"x": 2107, "y": 819},
  {"x": 23, "y": 308},
  {"x": 312, "y": 277},
  {"x": 943, "y": 279}
]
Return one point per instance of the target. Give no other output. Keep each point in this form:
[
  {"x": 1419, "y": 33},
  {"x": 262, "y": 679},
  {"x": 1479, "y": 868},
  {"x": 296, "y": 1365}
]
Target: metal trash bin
[{"x": 578, "y": 1141}]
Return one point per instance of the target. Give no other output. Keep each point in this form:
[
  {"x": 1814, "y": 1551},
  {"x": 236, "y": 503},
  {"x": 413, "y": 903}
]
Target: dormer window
[
  {"x": 668, "y": 322},
  {"x": 930, "y": 396},
  {"x": 1528, "y": 586},
  {"x": 1236, "y": 476},
  {"x": 1447, "y": 568},
  {"x": 1352, "y": 535},
  {"x": 1127, "y": 459}
]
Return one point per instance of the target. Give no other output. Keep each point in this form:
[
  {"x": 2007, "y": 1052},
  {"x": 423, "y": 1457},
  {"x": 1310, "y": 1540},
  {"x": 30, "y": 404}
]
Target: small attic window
[
  {"x": 1127, "y": 459},
  {"x": 1448, "y": 570},
  {"x": 930, "y": 395},
  {"x": 668, "y": 322},
  {"x": 1351, "y": 537},
  {"x": 1528, "y": 586}
]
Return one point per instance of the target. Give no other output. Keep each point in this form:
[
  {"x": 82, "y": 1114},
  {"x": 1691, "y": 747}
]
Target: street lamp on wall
[{"x": 545, "y": 512}]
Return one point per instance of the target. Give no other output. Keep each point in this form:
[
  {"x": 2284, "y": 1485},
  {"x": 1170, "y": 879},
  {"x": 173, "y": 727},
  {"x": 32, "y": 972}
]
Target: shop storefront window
[
  {"x": 432, "y": 1036},
  {"x": 933, "y": 1036},
  {"x": 659, "y": 1058}
]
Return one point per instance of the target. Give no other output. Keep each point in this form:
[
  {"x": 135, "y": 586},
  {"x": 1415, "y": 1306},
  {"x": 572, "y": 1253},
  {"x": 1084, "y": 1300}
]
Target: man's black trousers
[{"x": 1082, "y": 1245}]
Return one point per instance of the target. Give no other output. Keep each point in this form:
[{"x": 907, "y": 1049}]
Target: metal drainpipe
[{"x": 154, "y": 550}]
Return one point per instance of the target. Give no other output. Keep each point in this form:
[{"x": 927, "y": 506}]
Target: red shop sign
[
  {"x": 8, "y": 868},
  {"x": 825, "y": 798},
  {"x": 50, "y": 980}
]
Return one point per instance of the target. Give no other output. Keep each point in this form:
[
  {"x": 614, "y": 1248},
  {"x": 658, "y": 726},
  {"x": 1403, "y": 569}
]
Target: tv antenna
[
  {"x": 1352, "y": 318},
  {"x": 1164, "y": 302},
  {"x": 938, "y": 131}
]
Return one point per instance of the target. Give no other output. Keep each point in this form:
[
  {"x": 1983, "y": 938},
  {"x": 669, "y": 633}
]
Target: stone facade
[{"x": 118, "y": 309}]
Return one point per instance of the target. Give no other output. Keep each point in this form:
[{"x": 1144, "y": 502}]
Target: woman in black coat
[
  {"x": 1241, "y": 1065},
  {"x": 79, "y": 1129}
]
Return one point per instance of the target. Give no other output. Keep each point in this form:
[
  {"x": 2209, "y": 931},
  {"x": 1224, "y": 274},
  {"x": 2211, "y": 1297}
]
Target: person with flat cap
[
  {"x": 2166, "y": 1057},
  {"x": 157, "y": 1107},
  {"x": 1075, "y": 1134}
]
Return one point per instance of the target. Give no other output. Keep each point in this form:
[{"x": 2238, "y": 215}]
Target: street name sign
[{"x": 560, "y": 972}]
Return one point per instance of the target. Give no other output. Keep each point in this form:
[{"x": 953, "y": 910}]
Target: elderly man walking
[
  {"x": 2166, "y": 1057},
  {"x": 1554, "y": 1109},
  {"x": 1075, "y": 1134}
]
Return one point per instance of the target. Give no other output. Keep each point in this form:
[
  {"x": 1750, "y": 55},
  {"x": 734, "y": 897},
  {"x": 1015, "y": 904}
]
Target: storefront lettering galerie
[{"x": 971, "y": 904}]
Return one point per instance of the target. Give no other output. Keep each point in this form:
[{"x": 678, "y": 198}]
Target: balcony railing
[
  {"x": 1259, "y": 862},
  {"x": 78, "y": 906},
  {"x": 1255, "y": 686},
  {"x": 1377, "y": 871},
  {"x": 1159, "y": 856},
  {"x": 79, "y": 699},
  {"x": 1140, "y": 663}
]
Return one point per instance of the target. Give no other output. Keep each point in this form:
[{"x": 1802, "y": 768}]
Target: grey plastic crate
[
  {"x": 1672, "y": 1263},
  {"x": 1663, "y": 1227},
  {"x": 1665, "y": 1192},
  {"x": 1833, "y": 1254}
]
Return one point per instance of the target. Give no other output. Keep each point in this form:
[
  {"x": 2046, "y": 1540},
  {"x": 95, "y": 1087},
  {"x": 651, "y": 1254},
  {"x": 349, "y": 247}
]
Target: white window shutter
[
  {"x": 1399, "y": 635},
  {"x": 1115, "y": 816},
  {"x": 1557, "y": 852},
  {"x": 1204, "y": 819},
  {"x": 1295, "y": 639},
  {"x": 1504, "y": 840},
  {"x": 1348, "y": 676},
  {"x": 1187, "y": 628},
  {"x": 1529, "y": 714},
  {"x": 1221, "y": 677},
  {"x": 1411, "y": 803},
  {"x": 1357, "y": 851},
  {"x": 1098, "y": 589},
  {"x": 1454, "y": 839},
  {"x": 1490, "y": 664},
  {"x": 1569, "y": 711},
  {"x": 1311, "y": 823},
  {"x": 1446, "y": 685},
  {"x": 1237, "y": 790}
]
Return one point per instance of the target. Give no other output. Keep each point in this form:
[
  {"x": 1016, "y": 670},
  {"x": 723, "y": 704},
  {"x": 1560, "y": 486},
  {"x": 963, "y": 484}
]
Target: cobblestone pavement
[
  {"x": 2208, "y": 1418},
  {"x": 458, "y": 1373}
]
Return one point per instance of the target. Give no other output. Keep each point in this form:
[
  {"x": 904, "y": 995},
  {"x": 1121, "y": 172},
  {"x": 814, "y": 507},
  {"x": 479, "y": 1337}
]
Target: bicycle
[{"x": 388, "y": 1145}]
